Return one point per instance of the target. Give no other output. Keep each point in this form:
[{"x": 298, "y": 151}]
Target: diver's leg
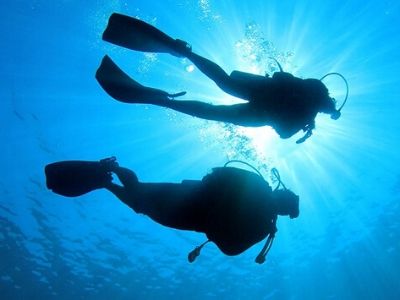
[
  {"x": 174, "y": 205},
  {"x": 219, "y": 76},
  {"x": 130, "y": 184},
  {"x": 119, "y": 191},
  {"x": 127, "y": 177},
  {"x": 242, "y": 114},
  {"x": 213, "y": 71}
]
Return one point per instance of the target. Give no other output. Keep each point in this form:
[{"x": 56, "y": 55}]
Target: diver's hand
[
  {"x": 109, "y": 163},
  {"x": 308, "y": 130},
  {"x": 173, "y": 96},
  {"x": 309, "y": 127}
]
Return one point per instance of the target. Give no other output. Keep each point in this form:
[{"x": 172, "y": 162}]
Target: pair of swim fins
[
  {"x": 136, "y": 35},
  {"x": 74, "y": 178}
]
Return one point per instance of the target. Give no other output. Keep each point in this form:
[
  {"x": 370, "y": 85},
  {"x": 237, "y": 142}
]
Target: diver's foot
[
  {"x": 181, "y": 48},
  {"x": 109, "y": 164}
]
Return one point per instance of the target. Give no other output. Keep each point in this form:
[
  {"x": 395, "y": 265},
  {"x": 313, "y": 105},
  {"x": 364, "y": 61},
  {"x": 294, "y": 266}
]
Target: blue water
[{"x": 344, "y": 245}]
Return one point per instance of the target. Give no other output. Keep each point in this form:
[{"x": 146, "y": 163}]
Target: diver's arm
[
  {"x": 285, "y": 133},
  {"x": 288, "y": 132}
]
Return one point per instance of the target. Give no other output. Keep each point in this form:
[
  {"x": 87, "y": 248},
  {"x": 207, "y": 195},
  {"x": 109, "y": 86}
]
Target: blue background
[{"x": 344, "y": 245}]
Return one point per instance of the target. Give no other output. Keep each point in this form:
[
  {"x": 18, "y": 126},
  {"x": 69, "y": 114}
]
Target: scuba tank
[
  {"x": 247, "y": 78},
  {"x": 250, "y": 78}
]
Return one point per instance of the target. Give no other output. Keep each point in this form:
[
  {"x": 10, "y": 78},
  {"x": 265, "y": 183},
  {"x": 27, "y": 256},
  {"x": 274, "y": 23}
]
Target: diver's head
[
  {"x": 286, "y": 203},
  {"x": 319, "y": 92}
]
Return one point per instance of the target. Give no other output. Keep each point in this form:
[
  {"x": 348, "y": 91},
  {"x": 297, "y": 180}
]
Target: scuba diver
[
  {"x": 283, "y": 101},
  {"x": 234, "y": 207}
]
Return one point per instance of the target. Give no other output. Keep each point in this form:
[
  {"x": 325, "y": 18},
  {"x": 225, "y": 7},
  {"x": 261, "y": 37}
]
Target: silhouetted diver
[
  {"x": 235, "y": 208},
  {"x": 285, "y": 102}
]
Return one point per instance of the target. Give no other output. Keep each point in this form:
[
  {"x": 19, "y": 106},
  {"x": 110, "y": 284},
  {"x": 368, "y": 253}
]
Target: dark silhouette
[
  {"x": 235, "y": 208},
  {"x": 285, "y": 102}
]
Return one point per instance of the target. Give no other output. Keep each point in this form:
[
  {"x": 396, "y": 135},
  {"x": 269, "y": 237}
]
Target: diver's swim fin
[
  {"x": 123, "y": 88},
  {"x": 137, "y": 35},
  {"x": 75, "y": 177}
]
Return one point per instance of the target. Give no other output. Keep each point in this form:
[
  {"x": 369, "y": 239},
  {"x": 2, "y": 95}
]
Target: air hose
[{"x": 336, "y": 116}]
